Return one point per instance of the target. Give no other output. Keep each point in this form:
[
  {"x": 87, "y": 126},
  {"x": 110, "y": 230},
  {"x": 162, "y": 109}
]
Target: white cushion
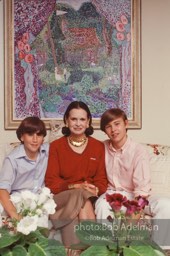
[
  {"x": 55, "y": 130},
  {"x": 4, "y": 150},
  {"x": 160, "y": 168}
]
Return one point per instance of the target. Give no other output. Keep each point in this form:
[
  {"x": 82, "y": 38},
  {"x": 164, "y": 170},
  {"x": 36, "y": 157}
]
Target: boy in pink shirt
[{"x": 128, "y": 173}]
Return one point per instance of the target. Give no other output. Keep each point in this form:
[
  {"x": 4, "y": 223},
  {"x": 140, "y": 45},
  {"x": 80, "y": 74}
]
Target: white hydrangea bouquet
[
  {"x": 29, "y": 236},
  {"x": 34, "y": 209}
]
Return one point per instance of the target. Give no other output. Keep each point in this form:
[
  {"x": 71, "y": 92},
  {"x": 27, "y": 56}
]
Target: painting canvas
[{"x": 58, "y": 51}]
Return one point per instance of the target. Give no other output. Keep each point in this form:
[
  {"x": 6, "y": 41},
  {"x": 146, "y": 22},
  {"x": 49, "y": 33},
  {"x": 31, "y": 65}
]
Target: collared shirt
[
  {"x": 128, "y": 168},
  {"x": 18, "y": 172}
]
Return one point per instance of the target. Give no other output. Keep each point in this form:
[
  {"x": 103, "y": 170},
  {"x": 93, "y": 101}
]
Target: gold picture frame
[{"x": 11, "y": 97}]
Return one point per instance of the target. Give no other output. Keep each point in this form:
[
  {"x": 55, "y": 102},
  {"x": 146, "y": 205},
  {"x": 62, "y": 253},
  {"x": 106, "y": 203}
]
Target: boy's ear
[{"x": 126, "y": 123}]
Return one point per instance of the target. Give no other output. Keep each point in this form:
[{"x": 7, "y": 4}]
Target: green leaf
[
  {"x": 47, "y": 247},
  {"x": 35, "y": 236},
  {"x": 55, "y": 248},
  {"x": 7, "y": 238},
  {"x": 139, "y": 250},
  {"x": 5, "y": 252},
  {"x": 19, "y": 250},
  {"x": 138, "y": 231},
  {"x": 35, "y": 242},
  {"x": 36, "y": 250},
  {"x": 99, "y": 251},
  {"x": 156, "y": 247},
  {"x": 158, "y": 253},
  {"x": 92, "y": 233}
]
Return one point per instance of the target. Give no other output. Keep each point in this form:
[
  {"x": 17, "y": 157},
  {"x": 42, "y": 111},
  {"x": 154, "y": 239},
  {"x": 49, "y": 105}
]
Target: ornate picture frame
[{"x": 69, "y": 50}]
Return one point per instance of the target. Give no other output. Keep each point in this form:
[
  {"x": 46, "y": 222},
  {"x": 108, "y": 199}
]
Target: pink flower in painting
[
  {"x": 20, "y": 45},
  {"x": 25, "y": 37},
  {"x": 128, "y": 37},
  {"x": 25, "y": 53},
  {"x": 120, "y": 26},
  {"x": 120, "y": 36},
  {"x": 27, "y": 48},
  {"x": 123, "y": 19},
  {"x": 29, "y": 58},
  {"x": 21, "y": 55}
]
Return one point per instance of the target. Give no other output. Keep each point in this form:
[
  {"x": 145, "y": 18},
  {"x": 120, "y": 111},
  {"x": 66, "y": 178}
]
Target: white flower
[
  {"x": 0, "y": 221},
  {"x": 46, "y": 191},
  {"x": 16, "y": 200},
  {"x": 49, "y": 206},
  {"x": 29, "y": 199},
  {"x": 44, "y": 195},
  {"x": 39, "y": 212},
  {"x": 10, "y": 225},
  {"x": 34, "y": 208},
  {"x": 28, "y": 195},
  {"x": 27, "y": 225},
  {"x": 42, "y": 198},
  {"x": 43, "y": 221}
]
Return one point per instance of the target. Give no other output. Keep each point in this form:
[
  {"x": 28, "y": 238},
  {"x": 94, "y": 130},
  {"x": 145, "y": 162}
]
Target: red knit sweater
[{"x": 67, "y": 167}]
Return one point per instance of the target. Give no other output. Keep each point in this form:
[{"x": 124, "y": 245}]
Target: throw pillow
[
  {"x": 55, "y": 130},
  {"x": 160, "y": 168}
]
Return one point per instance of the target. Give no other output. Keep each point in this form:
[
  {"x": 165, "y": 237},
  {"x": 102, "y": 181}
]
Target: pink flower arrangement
[
  {"x": 116, "y": 201},
  {"x": 125, "y": 234},
  {"x": 133, "y": 207}
]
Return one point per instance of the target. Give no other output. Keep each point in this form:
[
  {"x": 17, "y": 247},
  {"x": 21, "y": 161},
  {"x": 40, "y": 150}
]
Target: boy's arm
[
  {"x": 8, "y": 205},
  {"x": 142, "y": 174}
]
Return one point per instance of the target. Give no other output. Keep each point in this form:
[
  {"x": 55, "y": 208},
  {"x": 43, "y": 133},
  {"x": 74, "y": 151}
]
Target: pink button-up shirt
[{"x": 128, "y": 168}]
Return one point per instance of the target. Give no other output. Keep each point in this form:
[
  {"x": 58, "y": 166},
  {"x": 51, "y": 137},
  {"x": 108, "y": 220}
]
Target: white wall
[{"x": 155, "y": 76}]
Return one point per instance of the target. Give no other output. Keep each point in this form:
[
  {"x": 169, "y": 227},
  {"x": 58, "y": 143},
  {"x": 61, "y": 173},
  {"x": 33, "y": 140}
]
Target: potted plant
[
  {"x": 29, "y": 236},
  {"x": 126, "y": 233}
]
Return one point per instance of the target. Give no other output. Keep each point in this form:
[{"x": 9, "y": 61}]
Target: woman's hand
[
  {"x": 91, "y": 188},
  {"x": 87, "y": 186}
]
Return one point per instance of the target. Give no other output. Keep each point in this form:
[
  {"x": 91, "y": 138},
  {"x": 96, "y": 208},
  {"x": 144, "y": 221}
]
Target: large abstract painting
[{"x": 58, "y": 51}]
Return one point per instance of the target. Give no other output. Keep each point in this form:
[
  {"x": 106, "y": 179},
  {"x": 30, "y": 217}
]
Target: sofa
[
  {"x": 159, "y": 163},
  {"x": 160, "y": 168}
]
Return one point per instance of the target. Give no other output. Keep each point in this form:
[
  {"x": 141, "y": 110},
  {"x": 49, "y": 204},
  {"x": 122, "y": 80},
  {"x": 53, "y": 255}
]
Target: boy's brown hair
[
  {"x": 110, "y": 115},
  {"x": 30, "y": 125}
]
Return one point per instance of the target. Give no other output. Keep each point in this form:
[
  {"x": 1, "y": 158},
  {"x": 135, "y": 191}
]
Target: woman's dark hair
[
  {"x": 77, "y": 105},
  {"x": 110, "y": 115},
  {"x": 30, "y": 125}
]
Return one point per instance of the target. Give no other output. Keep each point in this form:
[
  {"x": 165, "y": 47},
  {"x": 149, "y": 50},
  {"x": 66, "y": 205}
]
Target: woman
[{"x": 76, "y": 171}]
